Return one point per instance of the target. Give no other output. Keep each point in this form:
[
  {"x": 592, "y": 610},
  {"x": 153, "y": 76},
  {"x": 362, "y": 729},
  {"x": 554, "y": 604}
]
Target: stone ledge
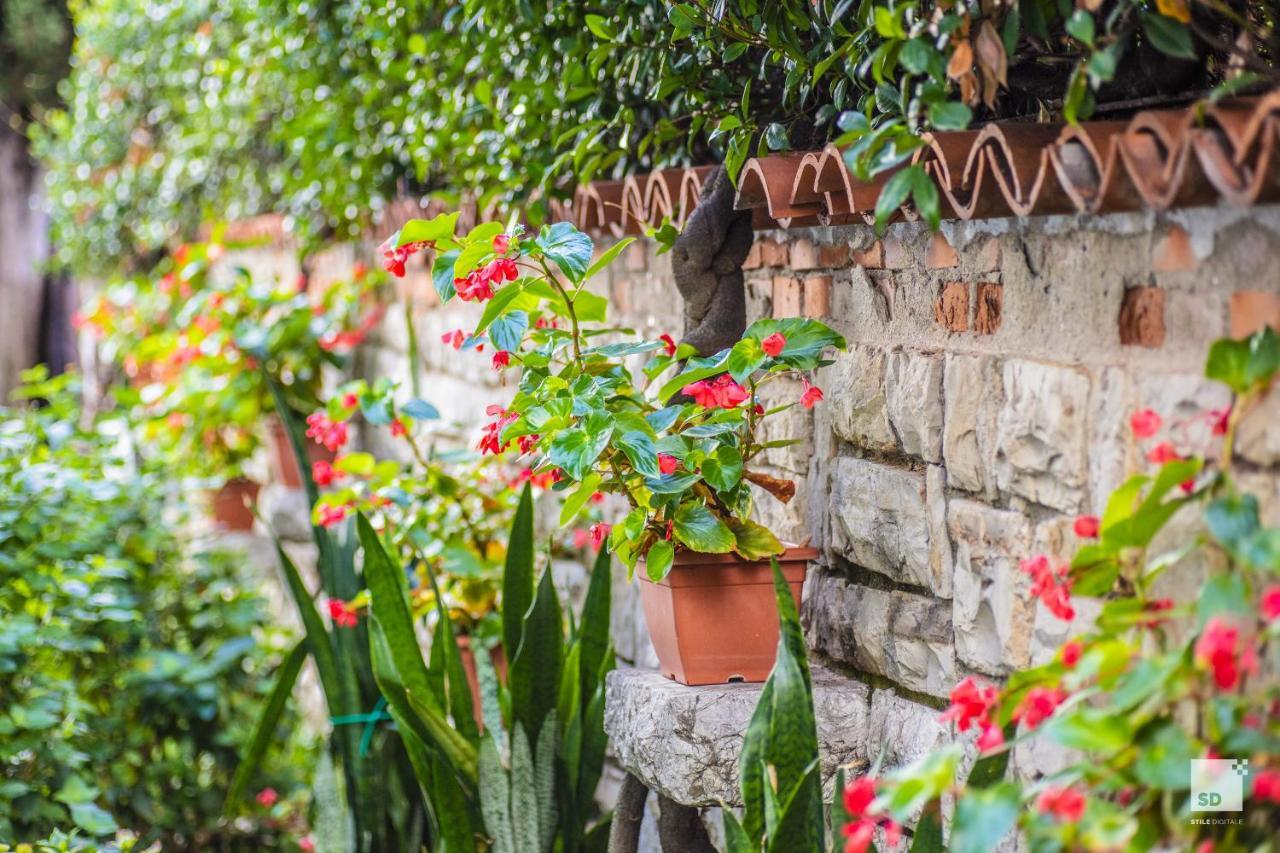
[{"x": 684, "y": 742}]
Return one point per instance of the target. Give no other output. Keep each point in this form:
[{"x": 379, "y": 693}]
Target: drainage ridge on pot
[{"x": 714, "y": 618}]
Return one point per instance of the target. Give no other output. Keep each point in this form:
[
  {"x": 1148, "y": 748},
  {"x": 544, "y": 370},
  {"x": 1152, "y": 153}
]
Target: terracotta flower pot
[
  {"x": 714, "y": 618},
  {"x": 468, "y": 655},
  {"x": 284, "y": 466},
  {"x": 232, "y": 504}
]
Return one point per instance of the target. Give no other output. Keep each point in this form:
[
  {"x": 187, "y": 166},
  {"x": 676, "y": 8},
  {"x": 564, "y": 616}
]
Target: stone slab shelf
[{"x": 684, "y": 742}]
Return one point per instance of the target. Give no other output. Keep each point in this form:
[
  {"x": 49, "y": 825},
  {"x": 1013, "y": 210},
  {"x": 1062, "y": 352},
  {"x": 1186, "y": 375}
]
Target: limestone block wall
[{"x": 982, "y": 404}]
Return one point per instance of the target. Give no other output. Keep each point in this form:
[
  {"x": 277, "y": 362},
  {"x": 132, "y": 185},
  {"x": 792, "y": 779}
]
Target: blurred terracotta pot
[
  {"x": 284, "y": 465},
  {"x": 468, "y": 655},
  {"x": 233, "y": 504},
  {"x": 714, "y": 617}
]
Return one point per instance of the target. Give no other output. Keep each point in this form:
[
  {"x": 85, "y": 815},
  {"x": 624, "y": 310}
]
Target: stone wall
[{"x": 982, "y": 404}]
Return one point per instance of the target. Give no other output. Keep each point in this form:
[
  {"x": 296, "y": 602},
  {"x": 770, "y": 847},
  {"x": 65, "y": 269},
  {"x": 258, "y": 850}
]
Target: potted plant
[{"x": 678, "y": 439}]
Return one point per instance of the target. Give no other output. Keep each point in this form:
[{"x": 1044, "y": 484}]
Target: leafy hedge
[
  {"x": 131, "y": 663},
  {"x": 184, "y": 111}
]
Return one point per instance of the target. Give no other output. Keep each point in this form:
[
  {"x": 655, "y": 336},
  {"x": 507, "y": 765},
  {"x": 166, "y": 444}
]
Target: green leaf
[
  {"x": 807, "y": 339},
  {"x": 593, "y": 629},
  {"x": 264, "y": 730},
  {"x": 1163, "y": 758},
  {"x": 511, "y": 297},
  {"x": 576, "y": 449},
  {"x": 535, "y": 669},
  {"x": 658, "y": 561},
  {"x": 983, "y": 816},
  {"x": 600, "y": 27},
  {"x": 578, "y": 498},
  {"x": 1233, "y": 520},
  {"x": 950, "y": 115},
  {"x": 723, "y": 469},
  {"x": 753, "y": 541},
  {"x": 701, "y": 531},
  {"x": 507, "y": 331},
  {"x": 928, "y": 835},
  {"x": 671, "y": 484},
  {"x": 894, "y": 194},
  {"x": 567, "y": 247},
  {"x": 1168, "y": 36},
  {"x": 641, "y": 451},
  {"x": 517, "y": 574},
  {"x": 420, "y": 410},
  {"x": 442, "y": 274},
  {"x": 93, "y": 819},
  {"x": 695, "y": 370},
  {"x": 775, "y": 137},
  {"x": 1080, "y": 26},
  {"x": 438, "y": 230},
  {"x": 1090, "y": 730}
]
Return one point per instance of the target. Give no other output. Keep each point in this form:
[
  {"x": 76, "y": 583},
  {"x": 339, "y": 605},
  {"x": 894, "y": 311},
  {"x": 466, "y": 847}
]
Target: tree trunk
[{"x": 24, "y": 249}]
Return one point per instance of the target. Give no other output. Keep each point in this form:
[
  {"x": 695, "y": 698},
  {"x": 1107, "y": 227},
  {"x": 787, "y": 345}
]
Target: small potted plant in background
[
  {"x": 680, "y": 449},
  {"x": 195, "y": 342}
]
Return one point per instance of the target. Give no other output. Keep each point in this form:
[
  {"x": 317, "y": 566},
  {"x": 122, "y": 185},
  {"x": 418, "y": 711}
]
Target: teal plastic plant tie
[{"x": 370, "y": 720}]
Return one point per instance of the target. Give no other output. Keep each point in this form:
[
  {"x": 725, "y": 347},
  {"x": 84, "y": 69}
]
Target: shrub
[{"x": 131, "y": 659}]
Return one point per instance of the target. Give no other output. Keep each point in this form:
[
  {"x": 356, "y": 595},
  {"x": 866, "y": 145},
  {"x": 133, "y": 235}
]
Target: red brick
[
  {"x": 1251, "y": 310},
  {"x": 952, "y": 307},
  {"x": 773, "y": 253},
  {"x": 817, "y": 296},
  {"x": 807, "y": 255},
  {"x": 871, "y": 258},
  {"x": 990, "y": 306},
  {"x": 787, "y": 296},
  {"x": 1172, "y": 253},
  {"x": 753, "y": 261},
  {"x": 1142, "y": 317},
  {"x": 941, "y": 255}
]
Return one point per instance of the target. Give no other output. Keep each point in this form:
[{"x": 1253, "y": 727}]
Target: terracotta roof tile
[{"x": 1158, "y": 159}]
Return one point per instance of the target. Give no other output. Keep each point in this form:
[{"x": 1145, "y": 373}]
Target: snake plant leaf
[
  {"x": 524, "y": 798},
  {"x": 535, "y": 671},
  {"x": 517, "y": 576},
  {"x": 264, "y": 730},
  {"x": 495, "y": 797}
]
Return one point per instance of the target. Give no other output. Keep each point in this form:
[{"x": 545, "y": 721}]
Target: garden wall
[{"x": 982, "y": 404}]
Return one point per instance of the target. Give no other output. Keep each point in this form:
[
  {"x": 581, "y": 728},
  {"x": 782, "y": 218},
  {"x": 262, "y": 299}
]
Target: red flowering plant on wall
[
  {"x": 599, "y": 410},
  {"x": 1150, "y": 686}
]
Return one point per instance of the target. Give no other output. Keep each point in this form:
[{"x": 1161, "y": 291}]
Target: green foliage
[
  {"x": 179, "y": 112},
  {"x": 779, "y": 767},
  {"x": 132, "y": 659},
  {"x": 592, "y": 425},
  {"x": 35, "y": 43},
  {"x": 527, "y": 782}
]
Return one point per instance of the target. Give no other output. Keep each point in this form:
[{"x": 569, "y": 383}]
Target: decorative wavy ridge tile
[{"x": 1159, "y": 159}]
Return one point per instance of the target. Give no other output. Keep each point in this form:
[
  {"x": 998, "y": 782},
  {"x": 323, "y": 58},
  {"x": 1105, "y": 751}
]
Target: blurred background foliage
[
  {"x": 180, "y": 112},
  {"x": 133, "y": 659}
]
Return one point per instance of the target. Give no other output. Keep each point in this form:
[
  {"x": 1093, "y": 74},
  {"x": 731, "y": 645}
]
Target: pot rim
[{"x": 793, "y": 554}]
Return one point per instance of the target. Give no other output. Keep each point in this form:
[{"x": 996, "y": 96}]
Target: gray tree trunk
[{"x": 24, "y": 250}]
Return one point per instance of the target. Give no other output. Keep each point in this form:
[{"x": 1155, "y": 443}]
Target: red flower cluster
[
  {"x": 1266, "y": 785},
  {"x": 719, "y": 393},
  {"x": 324, "y": 473},
  {"x": 454, "y": 339},
  {"x": 1088, "y": 526},
  {"x": 398, "y": 429},
  {"x": 333, "y": 515},
  {"x": 1222, "y": 649},
  {"x": 975, "y": 704},
  {"x": 501, "y": 243},
  {"x": 543, "y": 480},
  {"x": 599, "y": 532},
  {"x": 479, "y": 284},
  {"x": 501, "y": 359},
  {"x": 1145, "y": 423},
  {"x": 859, "y": 794},
  {"x": 489, "y": 442},
  {"x": 1270, "y": 604},
  {"x": 332, "y": 434},
  {"x": 267, "y": 797},
  {"x": 668, "y": 344},
  {"x": 774, "y": 344},
  {"x": 812, "y": 394},
  {"x": 1066, "y": 804},
  {"x": 394, "y": 257},
  {"x": 1038, "y": 705},
  {"x": 353, "y": 338},
  {"x": 1051, "y": 585},
  {"x": 667, "y": 463},
  {"x": 342, "y": 613},
  {"x": 1162, "y": 453},
  {"x": 1071, "y": 653}
]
